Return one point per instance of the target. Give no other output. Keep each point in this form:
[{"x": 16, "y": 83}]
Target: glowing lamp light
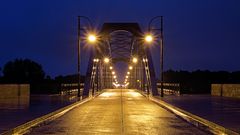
[
  {"x": 128, "y": 73},
  {"x": 106, "y": 60},
  {"x": 149, "y": 38},
  {"x": 145, "y": 60},
  {"x": 110, "y": 67},
  {"x": 130, "y": 67},
  {"x": 135, "y": 60},
  {"x": 95, "y": 60},
  {"x": 92, "y": 38},
  {"x": 113, "y": 73}
]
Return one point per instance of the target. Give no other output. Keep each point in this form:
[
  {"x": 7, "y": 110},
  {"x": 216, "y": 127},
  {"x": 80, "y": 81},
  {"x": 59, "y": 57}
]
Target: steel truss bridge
[{"x": 120, "y": 42}]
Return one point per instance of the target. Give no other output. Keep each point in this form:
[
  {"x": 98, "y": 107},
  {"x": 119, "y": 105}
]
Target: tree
[{"x": 22, "y": 71}]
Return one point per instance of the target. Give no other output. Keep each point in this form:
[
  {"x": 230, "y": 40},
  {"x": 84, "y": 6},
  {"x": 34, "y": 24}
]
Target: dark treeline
[
  {"x": 21, "y": 71},
  {"x": 200, "y": 81},
  {"x": 25, "y": 71}
]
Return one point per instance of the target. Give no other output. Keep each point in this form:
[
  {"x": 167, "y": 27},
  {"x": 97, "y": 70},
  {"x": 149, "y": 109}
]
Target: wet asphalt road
[{"x": 118, "y": 111}]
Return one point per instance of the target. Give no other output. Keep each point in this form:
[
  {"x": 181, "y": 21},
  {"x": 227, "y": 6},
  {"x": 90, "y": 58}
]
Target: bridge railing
[
  {"x": 69, "y": 88},
  {"x": 170, "y": 88}
]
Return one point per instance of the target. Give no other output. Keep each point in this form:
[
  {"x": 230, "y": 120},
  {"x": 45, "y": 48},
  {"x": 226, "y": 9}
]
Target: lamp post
[
  {"x": 149, "y": 39},
  {"x": 106, "y": 61},
  {"x": 79, "y": 47},
  {"x": 135, "y": 61}
]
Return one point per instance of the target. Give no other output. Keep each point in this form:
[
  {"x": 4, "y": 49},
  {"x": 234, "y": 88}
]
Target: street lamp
[
  {"x": 106, "y": 60},
  {"x": 79, "y": 47},
  {"x": 135, "y": 60},
  {"x": 92, "y": 38},
  {"x": 149, "y": 38},
  {"x": 130, "y": 67},
  {"x": 106, "y": 82},
  {"x": 95, "y": 60}
]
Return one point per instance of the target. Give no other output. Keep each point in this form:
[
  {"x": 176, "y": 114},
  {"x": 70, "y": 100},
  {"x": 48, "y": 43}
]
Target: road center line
[{"x": 122, "y": 122}]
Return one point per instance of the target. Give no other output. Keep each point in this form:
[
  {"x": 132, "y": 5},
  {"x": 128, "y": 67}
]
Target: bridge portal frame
[{"x": 95, "y": 71}]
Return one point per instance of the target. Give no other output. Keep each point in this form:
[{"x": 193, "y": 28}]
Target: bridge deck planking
[{"x": 118, "y": 111}]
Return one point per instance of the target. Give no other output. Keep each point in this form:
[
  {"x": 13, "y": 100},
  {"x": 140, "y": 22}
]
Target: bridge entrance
[{"x": 120, "y": 58}]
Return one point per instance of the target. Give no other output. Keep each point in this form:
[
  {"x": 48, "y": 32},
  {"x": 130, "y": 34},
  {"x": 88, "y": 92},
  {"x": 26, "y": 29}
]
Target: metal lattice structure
[{"x": 120, "y": 42}]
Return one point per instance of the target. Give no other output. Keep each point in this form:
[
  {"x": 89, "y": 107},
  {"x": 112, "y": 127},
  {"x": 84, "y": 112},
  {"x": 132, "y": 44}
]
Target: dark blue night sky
[{"x": 203, "y": 34}]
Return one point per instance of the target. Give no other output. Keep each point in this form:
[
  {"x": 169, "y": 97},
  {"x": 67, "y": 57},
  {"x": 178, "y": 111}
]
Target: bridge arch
[{"x": 120, "y": 42}]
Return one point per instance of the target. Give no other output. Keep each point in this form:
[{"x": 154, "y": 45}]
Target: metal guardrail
[
  {"x": 68, "y": 88},
  {"x": 170, "y": 88}
]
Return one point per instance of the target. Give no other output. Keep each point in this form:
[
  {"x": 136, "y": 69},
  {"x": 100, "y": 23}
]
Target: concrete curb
[
  {"x": 24, "y": 128},
  {"x": 195, "y": 120}
]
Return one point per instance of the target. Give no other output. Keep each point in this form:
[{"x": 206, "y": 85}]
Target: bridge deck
[{"x": 118, "y": 111}]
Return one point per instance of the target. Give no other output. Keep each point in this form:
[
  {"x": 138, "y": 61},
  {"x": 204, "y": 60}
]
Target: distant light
[
  {"x": 92, "y": 38},
  {"x": 135, "y": 60},
  {"x": 130, "y": 67},
  {"x": 148, "y": 38},
  {"x": 95, "y": 60},
  {"x": 113, "y": 72},
  {"x": 128, "y": 73},
  {"x": 116, "y": 84},
  {"x": 106, "y": 60},
  {"x": 110, "y": 67},
  {"x": 126, "y": 76},
  {"x": 114, "y": 76},
  {"x": 145, "y": 60}
]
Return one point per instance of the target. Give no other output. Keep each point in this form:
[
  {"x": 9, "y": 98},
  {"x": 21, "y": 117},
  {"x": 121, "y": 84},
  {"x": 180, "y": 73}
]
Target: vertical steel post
[
  {"x": 93, "y": 78},
  {"x": 97, "y": 71},
  {"x": 79, "y": 75},
  {"x": 141, "y": 72},
  {"x": 105, "y": 77},
  {"x": 135, "y": 78},
  {"x": 161, "y": 32}
]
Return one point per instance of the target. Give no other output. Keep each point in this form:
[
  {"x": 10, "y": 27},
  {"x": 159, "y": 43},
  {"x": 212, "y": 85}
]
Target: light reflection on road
[{"x": 107, "y": 94}]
